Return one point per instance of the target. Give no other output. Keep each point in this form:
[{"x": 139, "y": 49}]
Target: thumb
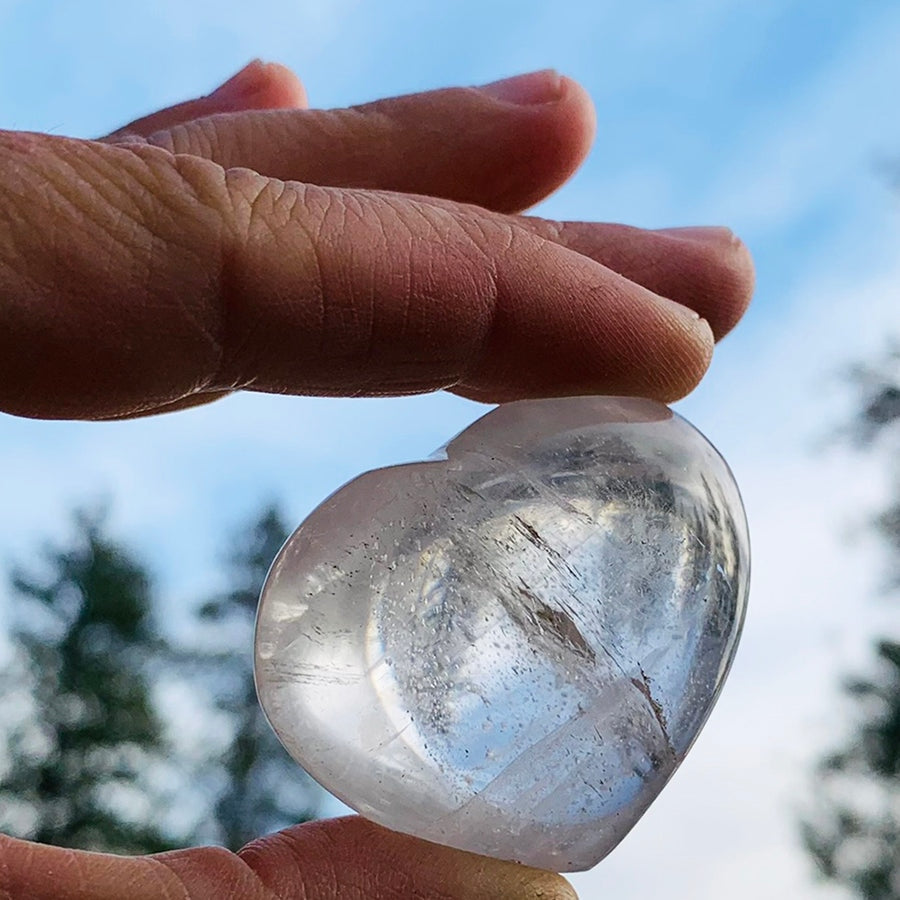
[{"x": 338, "y": 859}]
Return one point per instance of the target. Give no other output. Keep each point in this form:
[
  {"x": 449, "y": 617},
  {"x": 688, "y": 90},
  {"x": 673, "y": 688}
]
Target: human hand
[
  {"x": 365, "y": 251},
  {"x": 284, "y": 251},
  {"x": 337, "y": 859}
]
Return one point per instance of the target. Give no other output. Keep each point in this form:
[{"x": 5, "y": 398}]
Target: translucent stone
[{"x": 510, "y": 647}]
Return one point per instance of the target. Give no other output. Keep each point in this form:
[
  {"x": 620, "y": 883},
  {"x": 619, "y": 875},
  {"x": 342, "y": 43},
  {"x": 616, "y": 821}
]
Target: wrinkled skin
[{"x": 242, "y": 241}]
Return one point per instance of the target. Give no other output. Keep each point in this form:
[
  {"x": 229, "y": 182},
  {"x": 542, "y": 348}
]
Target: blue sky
[{"x": 768, "y": 116}]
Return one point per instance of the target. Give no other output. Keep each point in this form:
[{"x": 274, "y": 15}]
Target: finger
[
  {"x": 504, "y": 146},
  {"x": 165, "y": 277},
  {"x": 340, "y": 859},
  {"x": 707, "y": 269},
  {"x": 257, "y": 86},
  {"x": 201, "y": 398}
]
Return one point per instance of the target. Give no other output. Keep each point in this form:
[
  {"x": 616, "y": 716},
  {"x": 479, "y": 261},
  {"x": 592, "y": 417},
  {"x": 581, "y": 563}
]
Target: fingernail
[
  {"x": 544, "y": 86},
  {"x": 243, "y": 84},
  {"x": 716, "y": 233}
]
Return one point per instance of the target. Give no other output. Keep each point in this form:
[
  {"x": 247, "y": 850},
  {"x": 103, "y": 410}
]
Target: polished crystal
[{"x": 510, "y": 647}]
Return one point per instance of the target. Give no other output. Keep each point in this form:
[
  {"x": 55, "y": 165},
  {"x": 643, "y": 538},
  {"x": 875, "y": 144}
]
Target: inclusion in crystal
[{"x": 509, "y": 648}]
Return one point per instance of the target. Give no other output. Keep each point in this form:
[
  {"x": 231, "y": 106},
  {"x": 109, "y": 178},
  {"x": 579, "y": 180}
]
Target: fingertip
[
  {"x": 732, "y": 277},
  {"x": 261, "y": 85},
  {"x": 689, "y": 357},
  {"x": 285, "y": 88},
  {"x": 721, "y": 263},
  {"x": 552, "y": 140},
  {"x": 744, "y": 275},
  {"x": 579, "y": 105}
]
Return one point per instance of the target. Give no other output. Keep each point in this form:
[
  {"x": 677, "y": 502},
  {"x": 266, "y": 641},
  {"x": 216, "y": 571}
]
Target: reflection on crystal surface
[{"x": 509, "y": 648}]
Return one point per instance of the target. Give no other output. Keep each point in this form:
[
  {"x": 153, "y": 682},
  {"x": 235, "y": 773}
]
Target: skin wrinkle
[
  {"x": 187, "y": 139},
  {"x": 105, "y": 184},
  {"x": 723, "y": 279},
  {"x": 401, "y": 130},
  {"x": 278, "y": 858},
  {"x": 428, "y": 214},
  {"x": 262, "y": 223},
  {"x": 476, "y": 358},
  {"x": 344, "y": 128},
  {"x": 57, "y": 196},
  {"x": 54, "y": 194},
  {"x": 412, "y": 286},
  {"x": 114, "y": 196},
  {"x": 410, "y": 239},
  {"x": 211, "y": 327},
  {"x": 207, "y": 138},
  {"x": 406, "y": 279},
  {"x": 380, "y": 208},
  {"x": 191, "y": 871},
  {"x": 371, "y": 315},
  {"x": 426, "y": 248},
  {"x": 235, "y": 141},
  {"x": 478, "y": 279},
  {"x": 696, "y": 273},
  {"x": 71, "y": 860},
  {"x": 466, "y": 220},
  {"x": 337, "y": 280},
  {"x": 455, "y": 228},
  {"x": 244, "y": 189},
  {"x": 162, "y": 235},
  {"x": 153, "y": 866},
  {"x": 315, "y": 239},
  {"x": 607, "y": 292},
  {"x": 389, "y": 876},
  {"x": 201, "y": 182}
]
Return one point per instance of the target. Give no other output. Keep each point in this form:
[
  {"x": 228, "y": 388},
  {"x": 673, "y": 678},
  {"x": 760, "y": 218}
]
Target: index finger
[{"x": 132, "y": 279}]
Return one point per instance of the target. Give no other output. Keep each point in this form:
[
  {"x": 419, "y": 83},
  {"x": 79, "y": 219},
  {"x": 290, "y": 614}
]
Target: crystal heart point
[{"x": 510, "y": 647}]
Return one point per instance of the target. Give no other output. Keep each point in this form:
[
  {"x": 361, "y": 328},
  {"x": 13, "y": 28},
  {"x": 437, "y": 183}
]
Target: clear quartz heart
[{"x": 509, "y": 648}]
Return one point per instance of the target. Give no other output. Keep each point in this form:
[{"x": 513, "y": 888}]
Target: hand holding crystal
[
  {"x": 244, "y": 242},
  {"x": 366, "y": 251}
]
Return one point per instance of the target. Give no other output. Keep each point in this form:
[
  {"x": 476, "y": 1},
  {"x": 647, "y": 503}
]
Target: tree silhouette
[
  {"x": 75, "y": 765},
  {"x": 854, "y": 832},
  {"x": 263, "y": 789},
  {"x": 85, "y": 749}
]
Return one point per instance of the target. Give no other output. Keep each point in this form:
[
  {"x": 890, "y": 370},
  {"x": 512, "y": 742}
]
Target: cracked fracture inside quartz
[{"x": 509, "y": 648}]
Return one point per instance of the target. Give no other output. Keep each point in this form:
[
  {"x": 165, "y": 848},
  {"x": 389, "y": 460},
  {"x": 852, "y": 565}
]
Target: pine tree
[
  {"x": 854, "y": 832},
  {"x": 84, "y": 639},
  {"x": 263, "y": 790}
]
